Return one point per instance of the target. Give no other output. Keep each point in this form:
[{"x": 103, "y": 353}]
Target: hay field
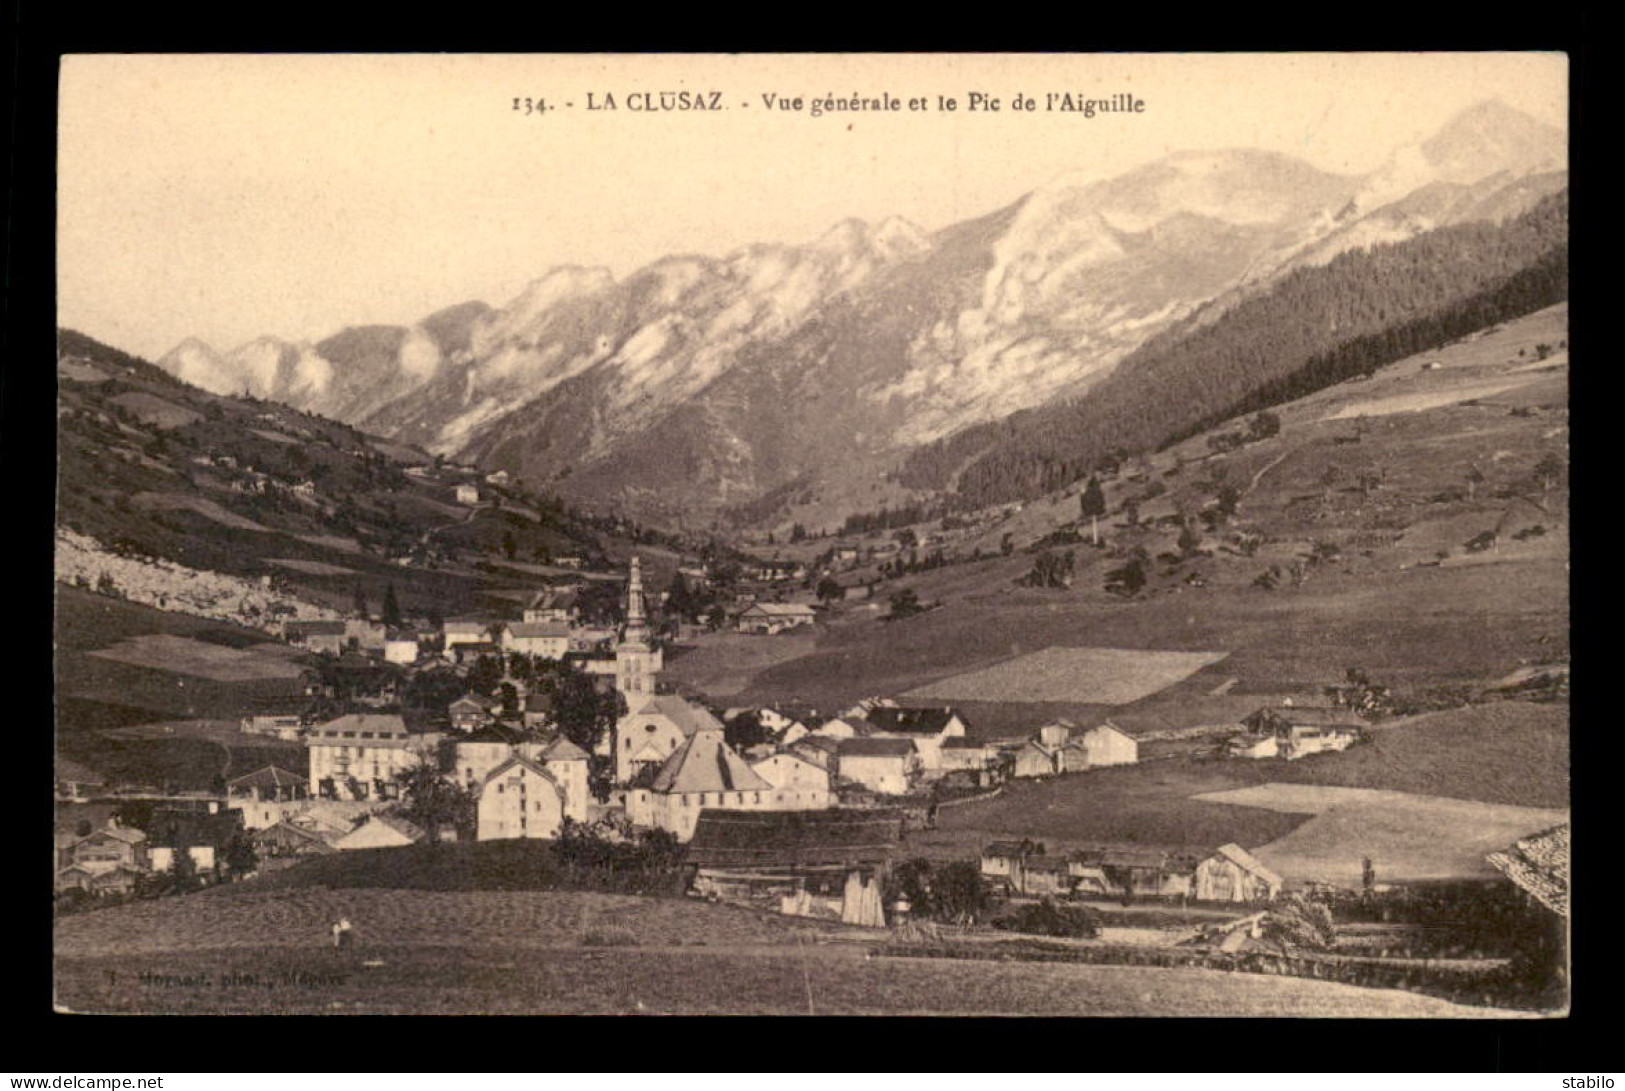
[
  {"x": 154, "y": 501},
  {"x": 156, "y": 411},
  {"x": 1103, "y": 676},
  {"x": 183, "y": 655},
  {"x": 1407, "y": 837},
  {"x": 1418, "y": 400}
]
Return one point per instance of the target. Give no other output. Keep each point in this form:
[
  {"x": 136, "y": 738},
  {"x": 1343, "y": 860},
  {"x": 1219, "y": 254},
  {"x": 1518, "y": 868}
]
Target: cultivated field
[
  {"x": 1407, "y": 837},
  {"x": 1101, "y": 676},
  {"x": 720, "y": 664},
  {"x": 182, "y": 655}
]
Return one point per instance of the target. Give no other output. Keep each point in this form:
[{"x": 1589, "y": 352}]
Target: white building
[
  {"x": 545, "y": 639},
  {"x": 359, "y": 756},
  {"x": 532, "y": 793}
]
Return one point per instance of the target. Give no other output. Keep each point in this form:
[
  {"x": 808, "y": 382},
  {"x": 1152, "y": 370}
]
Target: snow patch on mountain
[
  {"x": 312, "y": 372},
  {"x": 419, "y": 356}
]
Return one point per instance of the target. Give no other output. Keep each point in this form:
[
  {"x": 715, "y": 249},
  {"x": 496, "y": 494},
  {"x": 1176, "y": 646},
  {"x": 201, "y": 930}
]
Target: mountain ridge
[{"x": 677, "y": 391}]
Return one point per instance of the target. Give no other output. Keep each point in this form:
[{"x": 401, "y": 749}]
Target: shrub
[{"x": 1050, "y": 919}]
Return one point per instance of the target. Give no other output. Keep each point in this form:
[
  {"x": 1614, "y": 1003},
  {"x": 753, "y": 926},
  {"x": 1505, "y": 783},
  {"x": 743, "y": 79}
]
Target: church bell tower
[{"x": 635, "y": 667}]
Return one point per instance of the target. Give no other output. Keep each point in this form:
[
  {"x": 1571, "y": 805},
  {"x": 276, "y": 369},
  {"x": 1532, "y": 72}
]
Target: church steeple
[
  {"x": 637, "y": 625},
  {"x": 636, "y": 662}
]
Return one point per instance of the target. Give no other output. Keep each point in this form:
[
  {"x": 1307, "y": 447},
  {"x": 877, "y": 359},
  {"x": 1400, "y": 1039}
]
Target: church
[{"x": 671, "y": 759}]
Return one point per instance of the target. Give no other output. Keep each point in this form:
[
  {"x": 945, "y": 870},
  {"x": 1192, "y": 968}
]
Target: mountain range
[{"x": 701, "y": 387}]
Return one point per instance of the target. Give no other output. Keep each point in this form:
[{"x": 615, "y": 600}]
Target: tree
[
  {"x": 360, "y": 602},
  {"x": 1295, "y": 923},
  {"x": 1092, "y": 505},
  {"x": 434, "y": 802},
  {"x": 510, "y": 544},
  {"x": 1130, "y": 579},
  {"x": 392, "y": 607},
  {"x": 716, "y": 617},
  {"x": 508, "y": 693},
  {"x": 484, "y": 675},
  {"x": 829, "y": 591},
  {"x": 241, "y": 858},
  {"x": 1263, "y": 426},
  {"x": 745, "y": 730},
  {"x": 584, "y": 715},
  {"x": 182, "y": 871},
  {"x": 905, "y": 603}
]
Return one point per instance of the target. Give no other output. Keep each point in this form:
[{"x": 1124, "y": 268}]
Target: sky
[{"x": 228, "y": 197}]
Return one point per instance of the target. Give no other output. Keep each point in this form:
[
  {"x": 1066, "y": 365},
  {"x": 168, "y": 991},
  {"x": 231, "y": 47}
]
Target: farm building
[
  {"x": 285, "y": 844},
  {"x": 203, "y": 837},
  {"x": 114, "y": 845},
  {"x": 1539, "y": 867},
  {"x": 1053, "y": 748},
  {"x": 467, "y": 494},
  {"x": 1232, "y": 874},
  {"x": 818, "y": 749},
  {"x": 118, "y": 879},
  {"x": 1129, "y": 872},
  {"x": 778, "y": 571},
  {"x": 1108, "y": 744},
  {"x": 767, "y": 618},
  {"x": 326, "y": 637},
  {"x": 803, "y": 863},
  {"x": 962, "y": 755},
  {"x": 465, "y": 631},
  {"x": 553, "y": 604},
  {"x": 926, "y": 728},
  {"x": 545, "y": 639},
  {"x": 263, "y": 796},
  {"x": 401, "y": 648},
  {"x": 538, "y": 710},
  {"x": 1004, "y": 862},
  {"x": 469, "y": 652},
  {"x": 380, "y": 831},
  {"x": 886, "y": 766},
  {"x": 1298, "y": 731},
  {"x": 787, "y": 771},
  {"x": 470, "y": 712}
]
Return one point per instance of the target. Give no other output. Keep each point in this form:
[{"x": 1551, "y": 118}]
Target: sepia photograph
[{"x": 1052, "y": 534}]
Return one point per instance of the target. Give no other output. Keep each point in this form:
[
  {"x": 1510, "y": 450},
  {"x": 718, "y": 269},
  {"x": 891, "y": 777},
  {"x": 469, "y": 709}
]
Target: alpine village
[{"x": 1240, "y": 667}]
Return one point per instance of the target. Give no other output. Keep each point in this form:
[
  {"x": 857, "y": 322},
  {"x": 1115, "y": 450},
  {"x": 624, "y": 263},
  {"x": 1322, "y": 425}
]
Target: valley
[{"x": 1099, "y": 604}]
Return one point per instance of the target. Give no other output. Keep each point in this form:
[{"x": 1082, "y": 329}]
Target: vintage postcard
[{"x": 1065, "y": 534}]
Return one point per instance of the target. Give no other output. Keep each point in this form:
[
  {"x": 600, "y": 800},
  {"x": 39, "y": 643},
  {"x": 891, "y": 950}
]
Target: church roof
[
  {"x": 689, "y": 717},
  {"x": 706, "y": 763}
]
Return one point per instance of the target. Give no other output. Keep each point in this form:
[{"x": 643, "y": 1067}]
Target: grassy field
[
  {"x": 1407, "y": 837},
  {"x": 200, "y": 659},
  {"x": 1104, "y": 676},
  {"x": 223, "y": 952},
  {"x": 1503, "y": 755},
  {"x": 1508, "y": 752}
]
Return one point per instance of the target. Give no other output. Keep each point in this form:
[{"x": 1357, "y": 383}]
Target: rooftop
[
  {"x": 910, "y": 721},
  {"x": 778, "y": 839}
]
